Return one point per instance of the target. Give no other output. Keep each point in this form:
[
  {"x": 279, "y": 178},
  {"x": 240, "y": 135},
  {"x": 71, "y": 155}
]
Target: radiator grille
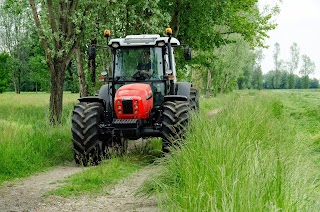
[{"x": 127, "y": 106}]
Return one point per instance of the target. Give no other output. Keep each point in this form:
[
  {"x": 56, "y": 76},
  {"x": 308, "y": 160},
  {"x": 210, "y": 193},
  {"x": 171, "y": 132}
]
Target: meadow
[
  {"x": 260, "y": 152},
  {"x": 28, "y": 143}
]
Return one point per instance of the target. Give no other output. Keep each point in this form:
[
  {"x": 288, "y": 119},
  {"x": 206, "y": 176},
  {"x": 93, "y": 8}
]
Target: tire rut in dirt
[
  {"x": 85, "y": 133},
  {"x": 175, "y": 119}
]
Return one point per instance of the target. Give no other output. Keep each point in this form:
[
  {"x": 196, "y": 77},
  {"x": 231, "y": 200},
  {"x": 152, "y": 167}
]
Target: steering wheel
[{"x": 139, "y": 75}]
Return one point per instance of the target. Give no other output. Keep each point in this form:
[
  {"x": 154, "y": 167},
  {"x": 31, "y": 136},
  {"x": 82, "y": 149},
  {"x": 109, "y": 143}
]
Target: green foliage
[
  {"x": 308, "y": 67},
  {"x": 246, "y": 158},
  {"x": 5, "y": 66},
  {"x": 257, "y": 78},
  {"x": 205, "y": 24},
  {"x": 288, "y": 80}
]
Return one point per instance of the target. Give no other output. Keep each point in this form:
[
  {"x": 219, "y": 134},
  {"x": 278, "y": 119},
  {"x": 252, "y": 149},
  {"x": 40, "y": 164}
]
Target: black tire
[
  {"x": 175, "y": 119},
  {"x": 87, "y": 148},
  {"x": 194, "y": 99}
]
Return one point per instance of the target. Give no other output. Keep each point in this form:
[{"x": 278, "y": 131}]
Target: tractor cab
[{"x": 144, "y": 59}]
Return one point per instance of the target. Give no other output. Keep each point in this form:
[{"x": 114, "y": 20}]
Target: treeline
[
  {"x": 44, "y": 44},
  {"x": 284, "y": 74},
  {"x": 275, "y": 80}
]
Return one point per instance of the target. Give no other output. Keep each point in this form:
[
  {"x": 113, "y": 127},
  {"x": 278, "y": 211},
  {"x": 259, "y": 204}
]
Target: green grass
[
  {"x": 249, "y": 157},
  {"x": 96, "y": 179},
  {"x": 28, "y": 143},
  {"x": 303, "y": 107}
]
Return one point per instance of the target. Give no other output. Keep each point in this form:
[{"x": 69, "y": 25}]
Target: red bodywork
[{"x": 138, "y": 96}]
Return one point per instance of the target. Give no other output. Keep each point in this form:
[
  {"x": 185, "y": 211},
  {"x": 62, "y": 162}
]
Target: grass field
[
  {"x": 27, "y": 142},
  {"x": 260, "y": 153}
]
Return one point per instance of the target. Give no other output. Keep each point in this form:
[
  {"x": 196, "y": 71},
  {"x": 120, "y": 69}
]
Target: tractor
[{"x": 140, "y": 98}]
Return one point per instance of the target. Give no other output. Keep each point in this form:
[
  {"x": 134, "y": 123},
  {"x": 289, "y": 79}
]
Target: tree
[
  {"x": 277, "y": 65},
  {"x": 14, "y": 20},
  {"x": 59, "y": 39},
  {"x": 257, "y": 78},
  {"x": 308, "y": 67},
  {"x": 314, "y": 83},
  {"x": 293, "y": 63}
]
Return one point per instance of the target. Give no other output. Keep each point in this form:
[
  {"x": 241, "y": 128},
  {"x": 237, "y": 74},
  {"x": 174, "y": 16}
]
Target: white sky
[{"x": 298, "y": 21}]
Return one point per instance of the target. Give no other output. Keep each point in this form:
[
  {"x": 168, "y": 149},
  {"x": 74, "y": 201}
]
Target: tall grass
[
  {"x": 27, "y": 141},
  {"x": 245, "y": 158}
]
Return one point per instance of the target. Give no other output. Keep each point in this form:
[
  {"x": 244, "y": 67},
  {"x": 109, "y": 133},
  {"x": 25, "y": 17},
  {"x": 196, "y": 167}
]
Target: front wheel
[
  {"x": 85, "y": 133},
  {"x": 175, "y": 119}
]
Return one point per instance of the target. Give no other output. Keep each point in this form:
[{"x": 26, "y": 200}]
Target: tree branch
[
  {"x": 71, "y": 52},
  {"x": 41, "y": 35},
  {"x": 53, "y": 24}
]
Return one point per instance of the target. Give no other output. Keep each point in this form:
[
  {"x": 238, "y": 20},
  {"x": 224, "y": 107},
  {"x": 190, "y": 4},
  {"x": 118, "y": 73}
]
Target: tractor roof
[{"x": 142, "y": 40}]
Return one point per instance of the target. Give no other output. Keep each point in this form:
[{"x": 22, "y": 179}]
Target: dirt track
[{"x": 27, "y": 195}]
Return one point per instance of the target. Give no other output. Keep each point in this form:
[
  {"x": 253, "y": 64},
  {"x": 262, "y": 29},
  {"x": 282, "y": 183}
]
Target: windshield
[{"x": 139, "y": 64}]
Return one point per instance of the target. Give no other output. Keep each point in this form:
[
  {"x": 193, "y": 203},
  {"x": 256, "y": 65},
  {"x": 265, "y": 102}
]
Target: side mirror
[
  {"x": 103, "y": 76},
  {"x": 92, "y": 52},
  {"x": 187, "y": 53}
]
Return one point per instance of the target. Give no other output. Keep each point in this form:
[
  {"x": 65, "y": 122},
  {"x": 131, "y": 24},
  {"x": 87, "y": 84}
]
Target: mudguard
[
  {"x": 105, "y": 94},
  {"x": 92, "y": 99},
  {"x": 183, "y": 89}
]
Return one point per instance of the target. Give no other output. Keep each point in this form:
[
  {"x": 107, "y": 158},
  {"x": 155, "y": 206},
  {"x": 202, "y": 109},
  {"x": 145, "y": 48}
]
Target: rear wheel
[
  {"x": 175, "y": 119},
  {"x": 194, "y": 99},
  {"x": 87, "y": 148}
]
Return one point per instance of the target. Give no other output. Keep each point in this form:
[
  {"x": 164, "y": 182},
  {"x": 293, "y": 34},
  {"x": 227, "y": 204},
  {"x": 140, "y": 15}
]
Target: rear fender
[
  {"x": 105, "y": 94},
  {"x": 183, "y": 89},
  {"x": 92, "y": 99},
  {"x": 175, "y": 98}
]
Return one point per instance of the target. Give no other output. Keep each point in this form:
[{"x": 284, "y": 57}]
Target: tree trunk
[
  {"x": 208, "y": 84},
  {"x": 92, "y": 65},
  {"x": 14, "y": 84},
  {"x": 56, "y": 91},
  {"x": 224, "y": 83},
  {"x": 175, "y": 22},
  {"x": 82, "y": 78},
  {"x": 19, "y": 81}
]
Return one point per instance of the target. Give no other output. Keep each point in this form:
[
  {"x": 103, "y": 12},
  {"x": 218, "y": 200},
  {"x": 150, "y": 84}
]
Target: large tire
[
  {"x": 87, "y": 148},
  {"x": 194, "y": 99},
  {"x": 175, "y": 119}
]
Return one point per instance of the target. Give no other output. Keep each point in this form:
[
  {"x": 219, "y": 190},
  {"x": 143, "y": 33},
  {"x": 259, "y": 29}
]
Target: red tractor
[{"x": 141, "y": 99}]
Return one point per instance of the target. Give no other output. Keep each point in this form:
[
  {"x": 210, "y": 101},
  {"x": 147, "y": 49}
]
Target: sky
[{"x": 298, "y": 21}]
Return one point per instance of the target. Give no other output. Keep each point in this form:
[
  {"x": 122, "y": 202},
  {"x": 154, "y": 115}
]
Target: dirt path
[
  {"x": 119, "y": 198},
  {"x": 27, "y": 194}
]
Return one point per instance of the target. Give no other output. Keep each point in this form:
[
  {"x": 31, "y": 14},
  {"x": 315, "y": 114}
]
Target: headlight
[
  {"x": 161, "y": 43},
  {"x": 115, "y": 45}
]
